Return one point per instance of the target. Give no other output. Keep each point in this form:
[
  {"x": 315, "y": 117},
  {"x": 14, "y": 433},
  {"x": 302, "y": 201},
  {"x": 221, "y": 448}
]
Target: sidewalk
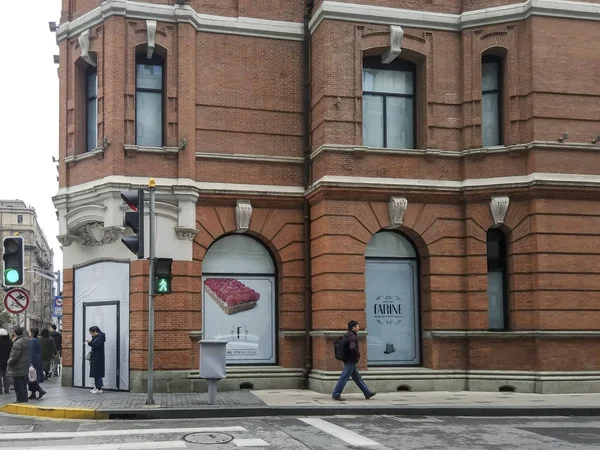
[{"x": 76, "y": 403}]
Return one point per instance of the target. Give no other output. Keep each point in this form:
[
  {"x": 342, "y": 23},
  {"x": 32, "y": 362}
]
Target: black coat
[
  {"x": 36, "y": 358},
  {"x": 97, "y": 361},
  {"x": 5, "y": 347}
]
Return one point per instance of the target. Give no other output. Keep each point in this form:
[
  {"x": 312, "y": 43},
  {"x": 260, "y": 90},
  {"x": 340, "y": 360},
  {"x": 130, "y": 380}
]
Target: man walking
[
  {"x": 350, "y": 370},
  {"x": 18, "y": 364},
  {"x": 57, "y": 337}
]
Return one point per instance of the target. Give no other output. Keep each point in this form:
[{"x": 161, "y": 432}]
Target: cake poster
[{"x": 241, "y": 311}]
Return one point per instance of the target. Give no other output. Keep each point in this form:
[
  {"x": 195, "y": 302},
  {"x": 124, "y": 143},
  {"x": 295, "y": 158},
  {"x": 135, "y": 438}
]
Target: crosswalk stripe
[
  {"x": 349, "y": 437},
  {"x": 100, "y": 433},
  {"x": 128, "y": 446}
]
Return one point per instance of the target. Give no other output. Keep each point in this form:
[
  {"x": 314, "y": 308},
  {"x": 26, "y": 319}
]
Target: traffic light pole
[{"x": 151, "y": 258}]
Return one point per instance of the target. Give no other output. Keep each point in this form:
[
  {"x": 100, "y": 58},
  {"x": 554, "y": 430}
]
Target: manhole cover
[
  {"x": 16, "y": 429},
  {"x": 208, "y": 438}
]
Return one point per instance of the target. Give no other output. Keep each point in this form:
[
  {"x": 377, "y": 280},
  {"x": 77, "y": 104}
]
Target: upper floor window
[
  {"x": 149, "y": 101},
  {"x": 91, "y": 116},
  {"x": 389, "y": 103},
  {"x": 19, "y": 218},
  {"x": 497, "y": 280},
  {"x": 491, "y": 101}
]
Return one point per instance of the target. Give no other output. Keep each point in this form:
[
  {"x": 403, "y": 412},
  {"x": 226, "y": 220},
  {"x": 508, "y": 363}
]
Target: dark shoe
[
  {"x": 371, "y": 395},
  {"x": 32, "y": 396},
  {"x": 42, "y": 393},
  {"x": 339, "y": 399}
]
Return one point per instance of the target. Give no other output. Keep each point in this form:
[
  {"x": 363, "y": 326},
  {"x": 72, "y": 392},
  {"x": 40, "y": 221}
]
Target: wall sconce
[
  {"x": 53, "y": 27},
  {"x": 564, "y": 137},
  {"x": 596, "y": 139}
]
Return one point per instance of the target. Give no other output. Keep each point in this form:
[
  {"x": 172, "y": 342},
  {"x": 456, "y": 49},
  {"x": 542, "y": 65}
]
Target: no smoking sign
[{"x": 16, "y": 301}]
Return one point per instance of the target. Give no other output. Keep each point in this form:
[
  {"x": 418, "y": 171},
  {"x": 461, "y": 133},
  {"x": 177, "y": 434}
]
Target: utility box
[{"x": 212, "y": 359}]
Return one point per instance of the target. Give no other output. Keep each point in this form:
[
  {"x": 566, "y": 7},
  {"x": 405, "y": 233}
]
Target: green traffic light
[
  {"x": 11, "y": 276},
  {"x": 162, "y": 286}
]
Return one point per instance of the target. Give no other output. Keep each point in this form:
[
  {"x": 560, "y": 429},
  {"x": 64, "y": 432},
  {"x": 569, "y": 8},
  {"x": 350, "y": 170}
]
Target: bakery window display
[{"x": 231, "y": 295}]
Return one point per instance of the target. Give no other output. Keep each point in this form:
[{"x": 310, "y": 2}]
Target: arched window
[
  {"x": 389, "y": 108},
  {"x": 392, "y": 305},
  {"x": 91, "y": 109},
  {"x": 149, "y": 98},
  {"x": 497, "y": 280},
  {"x": 491, "y": 100},
  {"x": 239, "y": 299}
]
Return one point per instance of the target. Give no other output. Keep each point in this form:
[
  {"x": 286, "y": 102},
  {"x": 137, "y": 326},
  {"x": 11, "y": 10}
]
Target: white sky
[{"x": 29, "y": 109}]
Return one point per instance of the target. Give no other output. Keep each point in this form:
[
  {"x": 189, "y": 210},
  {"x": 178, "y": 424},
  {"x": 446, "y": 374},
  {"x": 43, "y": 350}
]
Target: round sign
[
  {"x": 59, "y": 301},
  {"x": 16, "y": 300}
]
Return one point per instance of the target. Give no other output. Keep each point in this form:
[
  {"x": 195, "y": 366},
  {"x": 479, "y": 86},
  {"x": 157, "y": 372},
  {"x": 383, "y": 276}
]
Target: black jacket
[
  {"x": 97, "y": 361},
  {"x": 57, "y": 337},
  {"x": 353, "y": 350},
  {"x": 5, "y": 347}
]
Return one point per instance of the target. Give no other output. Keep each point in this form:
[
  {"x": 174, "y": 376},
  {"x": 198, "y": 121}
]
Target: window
[
  {"x": 491, "y": 101},
  {"x": 149, "y": 101},
  {"x": 19, "y": 218},
  {"x": 497, "y": 284},
  {"x": 388, "y": 103},
  {"x": 91, "y": 101}
]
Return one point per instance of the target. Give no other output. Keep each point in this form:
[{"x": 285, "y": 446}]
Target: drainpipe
[{"x": 307, "y": 182}]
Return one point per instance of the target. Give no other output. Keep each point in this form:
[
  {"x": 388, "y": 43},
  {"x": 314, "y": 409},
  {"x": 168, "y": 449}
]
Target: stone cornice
[
  {"x": 474, "y": 184},
  {"x": 245, "y": 26},
  {"x": 453, "y": 22},
  {"x": 567, "y": 334},
  {"x": 361, "y": 151},
  {"x": 251, "y": 158}
]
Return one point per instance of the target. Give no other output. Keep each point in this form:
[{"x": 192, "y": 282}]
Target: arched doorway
[
  {"x": 238, "y": 292},
  {"x": 392, "y": 291}
]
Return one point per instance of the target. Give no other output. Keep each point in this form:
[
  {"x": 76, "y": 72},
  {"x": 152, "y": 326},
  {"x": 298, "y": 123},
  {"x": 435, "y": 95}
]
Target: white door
[
  {"x": 392, "y": 312},
  {"x": 104, "y": 315}
]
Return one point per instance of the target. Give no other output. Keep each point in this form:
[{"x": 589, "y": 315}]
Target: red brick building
[{"x": 429, "y": 168}]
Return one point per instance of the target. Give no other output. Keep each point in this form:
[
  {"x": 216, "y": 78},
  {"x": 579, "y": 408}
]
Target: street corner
[{"x": 19, "y": 409}]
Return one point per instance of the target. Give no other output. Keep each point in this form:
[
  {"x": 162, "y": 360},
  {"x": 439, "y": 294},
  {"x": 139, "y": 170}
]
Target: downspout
[{"x": 307, "y": 182}]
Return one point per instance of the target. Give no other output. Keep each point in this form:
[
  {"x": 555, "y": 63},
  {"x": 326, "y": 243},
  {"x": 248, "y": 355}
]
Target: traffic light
[
  {"x": 14, "y": 268},
  {"x": 162, "y": 276},
  {"x": 134, "y": 220}
]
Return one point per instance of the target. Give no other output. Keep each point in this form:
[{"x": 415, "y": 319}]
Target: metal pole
[{"x": 150, "y": 400}]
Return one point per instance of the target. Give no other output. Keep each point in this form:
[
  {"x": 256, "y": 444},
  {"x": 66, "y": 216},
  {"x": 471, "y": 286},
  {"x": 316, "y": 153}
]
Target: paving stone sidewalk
[{"x": 304, "y": 402}]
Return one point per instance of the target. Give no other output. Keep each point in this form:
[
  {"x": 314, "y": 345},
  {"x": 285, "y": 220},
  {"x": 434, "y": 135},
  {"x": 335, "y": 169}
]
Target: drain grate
[{"x": 208, "y": 438}]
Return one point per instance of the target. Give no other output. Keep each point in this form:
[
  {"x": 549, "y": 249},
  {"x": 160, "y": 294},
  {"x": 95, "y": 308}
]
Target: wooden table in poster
[{"x": 16, "y": 300}]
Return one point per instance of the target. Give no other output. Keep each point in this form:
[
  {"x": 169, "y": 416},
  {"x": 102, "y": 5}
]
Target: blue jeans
[
  {"x": 350, "y": 371},
  {"x": 98, "y": 382}
]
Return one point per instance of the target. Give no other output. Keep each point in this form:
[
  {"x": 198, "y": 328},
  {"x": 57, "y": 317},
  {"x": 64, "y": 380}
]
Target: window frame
[
  {"x": 495, "y": 265},
  {"x": 499, "y": 91},
  {"x": 19, "y": 218},
  {"x": 89, "y": 71},
  {"x": 140, "y": 59},
  {"x": 398, "y": 65}
]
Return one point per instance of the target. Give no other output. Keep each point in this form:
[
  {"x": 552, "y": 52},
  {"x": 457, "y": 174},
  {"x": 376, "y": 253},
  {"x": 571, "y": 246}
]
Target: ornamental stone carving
[
  {"x": 396, "y": 35},
  {"x": 84, "y": 45},
  {"x": 184, "y": 233},
  {"x": 499, "y": 207},
  {"x": 397, "y": 208},
  {"x": 66, "y": 239},
  {"x": 97, "y": 234},
  {"x": 243, "y": 214},
  {"x": 151, "y": 34}
]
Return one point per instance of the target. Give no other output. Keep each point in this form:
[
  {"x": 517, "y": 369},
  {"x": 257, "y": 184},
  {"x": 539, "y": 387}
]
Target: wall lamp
[
  {"x": 596, "y": 139},
  {"x": 53, "y": 26},
  {"x": 564, "y": 137}
]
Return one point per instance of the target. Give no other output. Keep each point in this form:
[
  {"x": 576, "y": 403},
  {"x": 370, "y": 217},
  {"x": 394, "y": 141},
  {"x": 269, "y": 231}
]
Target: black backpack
[{"x": 340, "y": 348}]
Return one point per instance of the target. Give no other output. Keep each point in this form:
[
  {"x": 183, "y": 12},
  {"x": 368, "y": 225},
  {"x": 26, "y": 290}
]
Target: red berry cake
[{"x": 231, "y": 295}]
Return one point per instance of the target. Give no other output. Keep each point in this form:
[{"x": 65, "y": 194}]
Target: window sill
[
  {"x": 170, "y": 151},
  {"x": 97, "y": 152}
]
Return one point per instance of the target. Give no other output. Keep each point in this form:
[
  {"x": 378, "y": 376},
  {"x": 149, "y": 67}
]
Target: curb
[
  {"x": 53, "y": 413},
  {"x": 262, "y": 411}
]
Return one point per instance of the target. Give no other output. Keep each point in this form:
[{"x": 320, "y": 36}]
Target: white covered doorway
[
  {"x": 392, "y": 306},
  {"x": 101, "y": 298}
]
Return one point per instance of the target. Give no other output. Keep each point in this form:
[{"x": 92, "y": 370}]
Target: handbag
[
  {"x": 88, "y": 357},
  {"x": 32, "y": 375}
]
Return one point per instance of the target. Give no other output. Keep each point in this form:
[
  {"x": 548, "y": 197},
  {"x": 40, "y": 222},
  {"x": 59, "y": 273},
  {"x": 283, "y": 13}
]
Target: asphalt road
[{"x": 298, "y": 433}]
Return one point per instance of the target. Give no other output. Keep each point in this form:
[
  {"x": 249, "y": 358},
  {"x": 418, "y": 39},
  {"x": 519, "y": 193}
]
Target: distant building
[{"x": 17, "y": 217}]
